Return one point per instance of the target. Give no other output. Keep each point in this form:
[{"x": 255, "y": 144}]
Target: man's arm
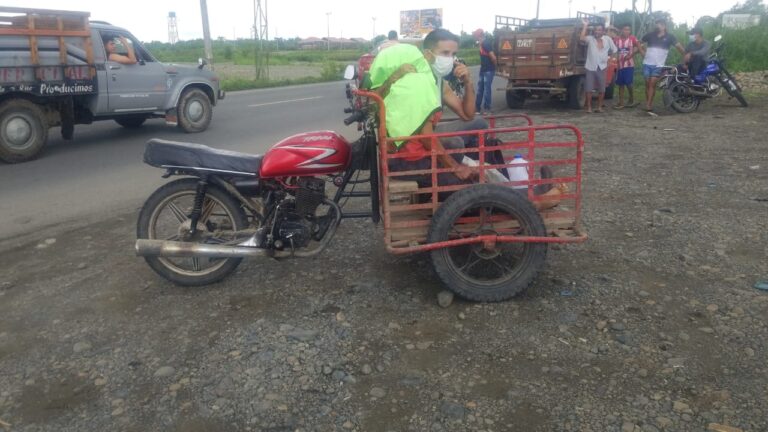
[
  {"x": 465, "y": 108},
  {"x": 492, "y": 56},
  {"x": 129, "y": 59},
  {"x": 583, "y": 37},
  {"x": 463, "y": 172},
  {"x": 680, "y": 48}
]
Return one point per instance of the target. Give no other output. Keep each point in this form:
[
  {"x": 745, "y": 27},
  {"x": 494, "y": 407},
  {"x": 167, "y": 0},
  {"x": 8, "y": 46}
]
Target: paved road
[{"x": 101, "y": 171}]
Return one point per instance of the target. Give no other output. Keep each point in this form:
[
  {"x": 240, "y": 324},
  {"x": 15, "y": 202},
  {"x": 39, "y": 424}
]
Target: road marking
[{"x": 285, "y": 101}]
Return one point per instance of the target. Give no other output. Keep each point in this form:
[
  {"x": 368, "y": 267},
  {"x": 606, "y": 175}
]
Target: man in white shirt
[{"x": 599, "y": 48}]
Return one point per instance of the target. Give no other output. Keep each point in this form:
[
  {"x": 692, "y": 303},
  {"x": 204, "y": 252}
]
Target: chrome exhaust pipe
[{"x": 163, "y": 248}]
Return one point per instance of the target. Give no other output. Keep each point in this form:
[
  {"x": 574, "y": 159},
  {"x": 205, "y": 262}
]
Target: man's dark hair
[
  {"x": 697, "y": 31},
  {"x": 661, "y": 21},
  {"x": 626, "y": 26},
  {"x": 392, "y": 35},
  {"x": 602, "y": 26},
  {"x": 106, "y": 38},
  {"x": 438, "y": 35}
]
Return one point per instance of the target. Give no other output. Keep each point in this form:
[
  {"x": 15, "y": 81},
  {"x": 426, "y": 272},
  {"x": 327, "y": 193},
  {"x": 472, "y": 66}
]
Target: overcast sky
[{"x": 147, "y": 19}]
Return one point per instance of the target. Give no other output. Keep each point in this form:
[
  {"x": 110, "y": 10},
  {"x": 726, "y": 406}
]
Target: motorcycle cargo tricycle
[{"x": 487, "y": 241}]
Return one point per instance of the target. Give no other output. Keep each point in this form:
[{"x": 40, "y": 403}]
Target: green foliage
[
  {"x": 378, "y": 39},
  {"x": 331, "y": 71}
]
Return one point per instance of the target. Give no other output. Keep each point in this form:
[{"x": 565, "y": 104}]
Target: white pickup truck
[{"x": 54, "y": 71}]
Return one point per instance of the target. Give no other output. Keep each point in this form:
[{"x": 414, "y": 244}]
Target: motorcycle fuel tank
[{"x": 306, "y": 154}]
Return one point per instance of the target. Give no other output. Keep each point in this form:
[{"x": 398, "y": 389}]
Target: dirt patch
[{"x": 652, "y": 324}]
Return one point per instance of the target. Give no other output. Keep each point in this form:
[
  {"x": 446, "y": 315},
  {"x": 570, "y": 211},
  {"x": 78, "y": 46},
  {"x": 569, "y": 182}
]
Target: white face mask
[{"x": 443, "y": 65}]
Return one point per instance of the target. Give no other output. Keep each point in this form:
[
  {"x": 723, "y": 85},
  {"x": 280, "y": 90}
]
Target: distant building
[{"x": 740, "y": 20}]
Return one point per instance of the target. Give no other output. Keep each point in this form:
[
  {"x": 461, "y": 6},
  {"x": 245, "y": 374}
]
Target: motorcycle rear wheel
[
  {"x": 679, "y": 98},
  {"x": 472, "y": 271},
  {"x": 165, "y": 216}
]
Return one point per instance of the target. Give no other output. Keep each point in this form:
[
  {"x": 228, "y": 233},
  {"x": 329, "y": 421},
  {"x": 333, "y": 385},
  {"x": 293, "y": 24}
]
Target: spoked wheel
[
  {"x": 491, "y": 271},
  {"x": 165, "y": 216},
  {"x": 680, "y": 98}
]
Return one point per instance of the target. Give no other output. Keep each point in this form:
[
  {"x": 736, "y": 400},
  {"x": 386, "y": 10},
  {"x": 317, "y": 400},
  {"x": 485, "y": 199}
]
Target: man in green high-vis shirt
[{"x": 411, "y": 83}]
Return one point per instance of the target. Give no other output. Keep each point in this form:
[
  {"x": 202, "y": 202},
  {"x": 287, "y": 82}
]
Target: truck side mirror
[
  {"x": 201, "y": 63},
  {"x": 350, "y": 72}
]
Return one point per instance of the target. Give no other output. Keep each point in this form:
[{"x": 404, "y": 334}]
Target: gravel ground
[{"x": 651, "y": 325}]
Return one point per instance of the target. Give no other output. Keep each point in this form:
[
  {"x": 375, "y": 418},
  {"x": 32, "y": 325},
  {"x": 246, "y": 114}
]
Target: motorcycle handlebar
[{"x": 356, "y": 117}]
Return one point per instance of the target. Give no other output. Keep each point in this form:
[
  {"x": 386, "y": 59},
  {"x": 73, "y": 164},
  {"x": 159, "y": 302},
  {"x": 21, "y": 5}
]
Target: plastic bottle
[{"x": 519, "y": 170}]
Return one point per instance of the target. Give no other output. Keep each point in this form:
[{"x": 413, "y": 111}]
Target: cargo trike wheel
[{"x": 487, "y": 272}]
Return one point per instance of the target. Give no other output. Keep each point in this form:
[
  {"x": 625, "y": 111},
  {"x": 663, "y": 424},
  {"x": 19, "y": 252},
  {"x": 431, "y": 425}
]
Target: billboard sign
[{"x": 417, "y": 23}]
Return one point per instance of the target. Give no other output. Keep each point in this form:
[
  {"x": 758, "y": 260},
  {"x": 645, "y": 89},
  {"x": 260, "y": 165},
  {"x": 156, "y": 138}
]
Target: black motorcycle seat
[{"x": 172, "y": 154}]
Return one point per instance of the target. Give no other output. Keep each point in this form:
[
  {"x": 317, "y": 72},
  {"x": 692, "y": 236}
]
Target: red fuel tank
[{"x": 306, "y": 154}]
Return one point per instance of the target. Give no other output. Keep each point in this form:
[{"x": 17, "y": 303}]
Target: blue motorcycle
[{"x": 684, "y": 93}]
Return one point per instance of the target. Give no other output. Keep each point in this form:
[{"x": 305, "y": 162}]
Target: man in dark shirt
[
  {"x": 655, "y": 49},
  {"x": 696, "y": 53},
  {"x": 487, "y": 72}
]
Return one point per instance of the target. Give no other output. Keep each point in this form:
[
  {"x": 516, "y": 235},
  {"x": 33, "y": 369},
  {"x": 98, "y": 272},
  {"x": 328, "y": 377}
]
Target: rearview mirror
[
  {"x": 718, "y": 38},
  {"x": 201, "y": 63},
  {"x": 350, "y": 72}
]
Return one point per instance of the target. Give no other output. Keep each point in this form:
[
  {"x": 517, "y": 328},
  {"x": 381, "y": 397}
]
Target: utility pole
[
  {"x": 206, "y": 33},
  {"x": 374, "y": 28},
  {"x": 569, "y": 7},
  {"x": 328, "y": 24},
  {"x": 538, "y": 3},
  {"x": 260, "y": 34}
]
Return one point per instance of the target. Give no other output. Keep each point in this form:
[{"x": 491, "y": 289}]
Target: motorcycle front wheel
[
  {"x": 733, "y": 89},
  {"x": 680, "y": 99},
  {"x": 165, "y": 216}
]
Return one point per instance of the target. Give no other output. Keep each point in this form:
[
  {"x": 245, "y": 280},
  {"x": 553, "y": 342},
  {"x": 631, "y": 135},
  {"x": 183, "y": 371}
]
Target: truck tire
[
  {"x": 23, "y": 130},
  {"x": 483, "y": 286},
  {"x": 131, "y": 121},
  {"x": 515, "y": 99},
  {"x": 195, "y": 110},
  {"x": 576, "y": 93}
]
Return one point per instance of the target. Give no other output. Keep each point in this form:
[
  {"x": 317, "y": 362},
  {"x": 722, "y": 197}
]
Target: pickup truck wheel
[
  {"x": 131, "y": 122},
  {"x": 195, "y": 111},
  {"x": 23, "y": 131},
  {"x": 515, "y": 99},
  {"x": 576, "y": 92}
]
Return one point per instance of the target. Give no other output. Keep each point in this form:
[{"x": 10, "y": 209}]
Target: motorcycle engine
[
  {"x": 296, "y": 222},
  {"x": 712, "y": 85}
]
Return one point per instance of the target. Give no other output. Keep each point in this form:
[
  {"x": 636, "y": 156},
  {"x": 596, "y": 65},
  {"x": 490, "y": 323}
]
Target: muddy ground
[{"x": 653, "y": 324}]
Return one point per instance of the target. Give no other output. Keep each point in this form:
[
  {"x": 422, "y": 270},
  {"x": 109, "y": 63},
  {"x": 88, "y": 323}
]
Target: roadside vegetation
[{"x": 745, "y": 51}]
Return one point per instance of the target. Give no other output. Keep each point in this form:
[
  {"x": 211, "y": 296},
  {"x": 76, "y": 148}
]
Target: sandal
[{"x": 618, "y": 107}]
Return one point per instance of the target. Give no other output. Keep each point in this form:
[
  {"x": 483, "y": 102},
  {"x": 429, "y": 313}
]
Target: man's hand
[
  {"x": 461, "y": 71},
  {"x": 464, "y": 172},
  {"x": 687, "y": 58},
  {"x": 585, "y": 22}
]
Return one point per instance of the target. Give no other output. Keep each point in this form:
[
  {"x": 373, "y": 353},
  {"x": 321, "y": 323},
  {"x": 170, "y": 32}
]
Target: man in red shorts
[{"x": 628, "y": 47}]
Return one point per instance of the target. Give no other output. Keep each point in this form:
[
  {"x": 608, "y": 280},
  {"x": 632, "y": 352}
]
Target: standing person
[
  {"x": 487, "y": 72},
  {"x": 696, "y": 53},
  {"x": 599, "y": 49},
  {"x": 655, "y": 50},
  {"x": 627, "y": 45},
  {"x": 391, "y": 41}
]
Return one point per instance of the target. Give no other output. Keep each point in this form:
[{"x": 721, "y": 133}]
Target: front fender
[{"x": 173, "y": 97}]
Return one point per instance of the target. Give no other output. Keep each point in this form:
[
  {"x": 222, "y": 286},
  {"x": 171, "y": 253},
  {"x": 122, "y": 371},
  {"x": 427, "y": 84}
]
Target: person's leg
[
  {"x": 478, "y": 123},
  {"x": 589, "y": 87},
  {"x": 652, "y": 89},
  {"x": 601, "y": 83},
  {"x": 479, "y": 95},
  {"x": 488, "y": 89},
  {"x": 647, "y": 70},
  {"x": 621, "y": 96},
  {"x": 630, "y": 84}
]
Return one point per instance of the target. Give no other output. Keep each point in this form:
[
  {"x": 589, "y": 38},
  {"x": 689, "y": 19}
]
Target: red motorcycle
[{"x": 487, "y": 241}]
